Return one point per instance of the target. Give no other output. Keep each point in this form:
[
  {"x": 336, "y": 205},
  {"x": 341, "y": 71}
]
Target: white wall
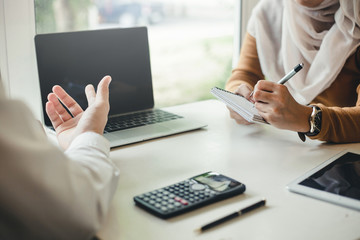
[{"x": 17, "y": 56}]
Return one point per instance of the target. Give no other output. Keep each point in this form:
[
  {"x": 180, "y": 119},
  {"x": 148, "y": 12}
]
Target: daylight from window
[{"x": 191, "y": 42}]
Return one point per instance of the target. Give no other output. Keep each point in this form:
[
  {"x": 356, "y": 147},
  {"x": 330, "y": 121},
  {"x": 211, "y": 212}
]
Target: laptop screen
[{"x": 75, "y": 59}]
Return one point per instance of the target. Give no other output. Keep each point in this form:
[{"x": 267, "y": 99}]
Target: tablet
[{"x": 337, "y": 180}]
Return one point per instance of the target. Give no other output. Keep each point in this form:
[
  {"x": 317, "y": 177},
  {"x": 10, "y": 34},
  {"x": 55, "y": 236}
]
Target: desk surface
[{"x": 264, "y": 158}]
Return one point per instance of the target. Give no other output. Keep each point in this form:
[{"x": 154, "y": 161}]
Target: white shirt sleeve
[{"x": 44, "y": 192}]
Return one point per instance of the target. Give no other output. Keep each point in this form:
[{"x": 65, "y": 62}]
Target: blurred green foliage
[{"x": 75, "y": 12}]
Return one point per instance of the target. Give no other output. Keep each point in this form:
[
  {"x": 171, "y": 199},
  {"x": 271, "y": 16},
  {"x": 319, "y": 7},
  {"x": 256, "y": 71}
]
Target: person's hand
[
  {"x": 245, "y": 91},
  {"x": 276, "y": 105},
  {"x": 93, "y": 119}
]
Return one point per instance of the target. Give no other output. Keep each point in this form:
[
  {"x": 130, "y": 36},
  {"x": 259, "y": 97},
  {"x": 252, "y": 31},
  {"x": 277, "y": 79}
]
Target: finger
[
  {"x": 68, "y": 101},
  {"x": 90, "y": 94},
  {"x": 244, "y": 90},
  {"x": 58, "y": 107},
  {"x": 263, "y": 107},
  {"x": 264, "y": 85},
  {"x": 53, "y": 116},
  {"x": 263, "y": 96},
  {"x": 103, "y": 89},
  {"x": 234, "y": 115}
]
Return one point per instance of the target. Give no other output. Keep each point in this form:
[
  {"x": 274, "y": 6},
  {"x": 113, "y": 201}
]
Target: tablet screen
[{"x": 341, "y": 177}]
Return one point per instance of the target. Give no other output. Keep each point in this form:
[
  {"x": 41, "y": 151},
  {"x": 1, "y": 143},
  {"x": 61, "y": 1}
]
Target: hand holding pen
[
  {"x": 269, "y": 102},
  {"x": 287, "y": 77}
]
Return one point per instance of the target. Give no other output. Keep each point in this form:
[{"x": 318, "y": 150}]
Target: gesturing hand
[{"x": 93, "y": 119}]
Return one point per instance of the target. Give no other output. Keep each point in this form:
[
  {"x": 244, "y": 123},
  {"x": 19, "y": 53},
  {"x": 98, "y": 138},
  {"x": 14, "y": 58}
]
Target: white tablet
[{"x": 337, "y": 181}]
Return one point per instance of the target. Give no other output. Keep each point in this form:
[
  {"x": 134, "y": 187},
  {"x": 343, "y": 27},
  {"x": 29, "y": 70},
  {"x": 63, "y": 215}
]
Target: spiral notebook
[{"x": 239, "y": 104}]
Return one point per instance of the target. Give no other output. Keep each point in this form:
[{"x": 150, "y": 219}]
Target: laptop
[{"x": 75, "y": 59}]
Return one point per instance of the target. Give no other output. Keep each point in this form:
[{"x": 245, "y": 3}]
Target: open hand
[{"x": 93, "y": 119}]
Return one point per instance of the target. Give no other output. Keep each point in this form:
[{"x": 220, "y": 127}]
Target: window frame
[{"x": 17, "y": 59}]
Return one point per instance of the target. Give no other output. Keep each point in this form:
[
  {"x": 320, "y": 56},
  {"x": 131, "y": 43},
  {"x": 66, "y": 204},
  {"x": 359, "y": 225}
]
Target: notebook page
[{"x": 239, "y": 104}]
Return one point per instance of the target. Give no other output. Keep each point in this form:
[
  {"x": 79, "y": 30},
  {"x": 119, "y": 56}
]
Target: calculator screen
[{"x": 217, "y": 181}]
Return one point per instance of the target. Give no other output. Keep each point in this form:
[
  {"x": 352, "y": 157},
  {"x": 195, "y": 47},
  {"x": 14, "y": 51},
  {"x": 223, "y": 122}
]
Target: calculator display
[{"x": 216, "y": 181}]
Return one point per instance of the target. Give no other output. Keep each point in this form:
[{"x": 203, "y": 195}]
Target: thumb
[{"x": 90, "y": 94}]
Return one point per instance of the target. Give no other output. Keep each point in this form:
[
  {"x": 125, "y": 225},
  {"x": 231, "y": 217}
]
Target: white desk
[{"x": 264, "y": 158}]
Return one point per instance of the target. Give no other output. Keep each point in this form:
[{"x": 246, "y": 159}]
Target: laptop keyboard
[{"x": 139, "y": 119}]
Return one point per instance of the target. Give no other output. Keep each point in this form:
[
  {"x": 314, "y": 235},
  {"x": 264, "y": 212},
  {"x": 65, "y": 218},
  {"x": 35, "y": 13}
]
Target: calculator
[{"x": 189, "y": 194}]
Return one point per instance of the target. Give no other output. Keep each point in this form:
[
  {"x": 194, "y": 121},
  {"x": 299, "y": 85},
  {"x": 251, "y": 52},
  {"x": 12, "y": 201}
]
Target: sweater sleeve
[
  {"x": 340, "y": 124},
  {"x": 248, "y": 70}
]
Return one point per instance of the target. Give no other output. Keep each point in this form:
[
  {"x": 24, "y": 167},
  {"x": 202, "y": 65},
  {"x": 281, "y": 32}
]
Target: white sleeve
[{"x": 44, "y": 193}]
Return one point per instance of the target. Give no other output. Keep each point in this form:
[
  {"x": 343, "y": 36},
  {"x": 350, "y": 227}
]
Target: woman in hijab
[{"x": 325, "y": 36}]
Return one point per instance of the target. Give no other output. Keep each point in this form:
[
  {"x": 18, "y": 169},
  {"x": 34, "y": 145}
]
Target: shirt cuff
[{"x": 92, "y": 140}]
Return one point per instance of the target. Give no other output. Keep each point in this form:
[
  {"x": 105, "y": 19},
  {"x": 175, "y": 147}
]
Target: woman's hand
[
  {"x": 93, "y": 119},
  {"x": 276, "y": 105},
  {"x": 245, "y": 91}
]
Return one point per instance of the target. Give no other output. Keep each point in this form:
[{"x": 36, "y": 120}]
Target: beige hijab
[{"x": 323, "y": 37}]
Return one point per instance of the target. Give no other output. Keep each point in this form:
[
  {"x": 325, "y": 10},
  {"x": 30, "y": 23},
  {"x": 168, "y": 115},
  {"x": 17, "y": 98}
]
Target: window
[{"x": 191, "y": 42}]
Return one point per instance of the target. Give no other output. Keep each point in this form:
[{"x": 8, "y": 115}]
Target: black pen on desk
[
  {"x": 287, "y": 77},
  {"x": 232, "y": 215}
]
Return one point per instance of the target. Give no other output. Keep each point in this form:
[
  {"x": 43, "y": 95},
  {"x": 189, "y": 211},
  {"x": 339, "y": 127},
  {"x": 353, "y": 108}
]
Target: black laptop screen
[{"x": 73, "y": 60}]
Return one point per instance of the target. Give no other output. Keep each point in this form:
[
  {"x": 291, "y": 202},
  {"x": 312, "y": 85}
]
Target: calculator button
[
  {"x": 158, "y": 199},
  {"x": 146, "y": 199},
  {"x": 184, "y": 202},
  {"x": 164, "y": 209},
  {"x": 177, "y": 204},
  {"x": 152, "y": 202},
  {"x": 157, "y": 205},
  {"x": 198, "y": 187}
]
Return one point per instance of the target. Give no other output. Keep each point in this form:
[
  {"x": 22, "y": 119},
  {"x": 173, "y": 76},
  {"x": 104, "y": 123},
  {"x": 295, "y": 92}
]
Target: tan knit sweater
[{"x": 340, "y": 103}]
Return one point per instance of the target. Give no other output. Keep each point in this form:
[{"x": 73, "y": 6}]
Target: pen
[
  {"x": 291, "y": 73},
  {"x": 287, "y": 76},
  {"x": 232, "y": 215}
]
